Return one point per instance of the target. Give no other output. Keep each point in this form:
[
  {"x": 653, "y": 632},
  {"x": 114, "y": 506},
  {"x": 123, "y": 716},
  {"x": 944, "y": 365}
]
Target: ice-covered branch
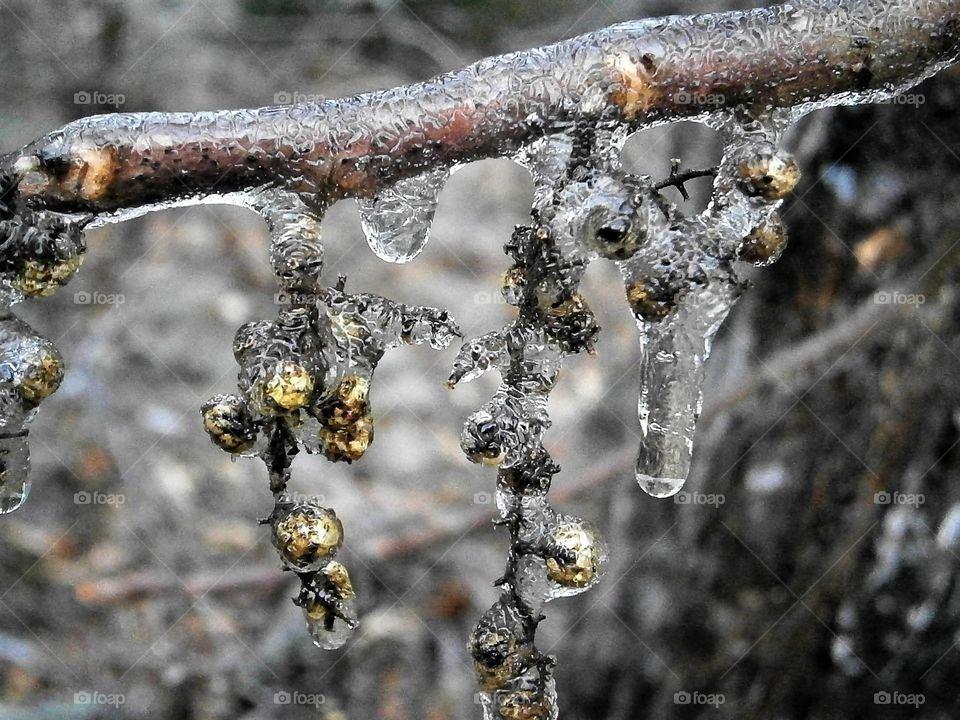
[
  {"x": 563, "y": 112},
  {"x": 821, "y": 51}
]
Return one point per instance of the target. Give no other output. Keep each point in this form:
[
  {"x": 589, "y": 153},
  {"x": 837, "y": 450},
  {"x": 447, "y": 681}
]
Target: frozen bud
[
  {"x": 347, "y": 443},
  {"x": 348, "y": 403},
  {"x": 41, "y": 371},
  {"x": 619, "y": 238},
  {"x": 229, "y": 423},
  {"x": 28, "y": 362},
  {"x": 767, "y": 173},
  {"x": 532, "y": 704},
  {"x": 498, "y": 647},
  {"x": 286, "y": 387},
  {"x": 43, "y": 277},
  {"x": 482, "y": 439},
  {"x": 329, "y": 606},
  {"x": 572, "y": 324},
  {"x": 576, "y": 554},
  {"x": 40, "y": 253},
  {"x": 336, "y": 575},
  {"x": 650, "y": 299},
  {"x": 513, "y": 284},
  {"x": 765, "y": 243},
  {"x": 249, "y": 338},
  {"x": 305, "y": 534}
]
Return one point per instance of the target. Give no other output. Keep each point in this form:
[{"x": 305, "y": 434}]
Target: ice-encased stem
[{"x": 674, "y": 353}]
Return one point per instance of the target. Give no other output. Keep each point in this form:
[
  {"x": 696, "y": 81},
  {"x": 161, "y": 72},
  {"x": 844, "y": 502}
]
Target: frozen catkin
[{"x": 305, "y": 378}]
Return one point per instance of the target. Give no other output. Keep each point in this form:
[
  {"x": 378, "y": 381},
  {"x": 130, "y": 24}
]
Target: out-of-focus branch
[
  {"x": 374, "y": 550},
  {"x": 633, "y": 74}
]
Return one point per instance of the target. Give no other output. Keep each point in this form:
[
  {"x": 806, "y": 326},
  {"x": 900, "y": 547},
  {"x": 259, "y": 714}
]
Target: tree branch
[{"x": 634, "y": 74}]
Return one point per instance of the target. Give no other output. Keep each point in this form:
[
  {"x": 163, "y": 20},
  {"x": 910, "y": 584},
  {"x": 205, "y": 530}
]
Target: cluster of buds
[
  {"x": 585, "y": 216},
  {"x": 39, "y": 253},
  {"x": 307, "y": 536},
  {"x": 304, "y": 383},
  {"x": 31, "y": 369}
]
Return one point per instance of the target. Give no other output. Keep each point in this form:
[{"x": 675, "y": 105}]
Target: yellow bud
[
  {"x": 42, "y": 278},
  {"x": 43, "y": 377},
  {"x": 307, "y": 537},
  {"x": 578, "y": 555},
  {"x": 286, "y": 388},
  {"x": 768, "y": 174},
  {"x": 765, "y": 243}
]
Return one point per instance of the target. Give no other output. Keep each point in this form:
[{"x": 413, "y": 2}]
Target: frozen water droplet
[
  {"x": 658, "y": 487},
  {"x": 397, "y": 220},
  {"x": 328, "y": 631},
  {"x": 14, "y": 472}
]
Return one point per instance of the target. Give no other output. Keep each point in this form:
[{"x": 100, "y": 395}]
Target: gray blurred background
[{"x": 812, "y": 575}]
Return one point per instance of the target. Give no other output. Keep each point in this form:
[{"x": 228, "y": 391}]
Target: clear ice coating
[
  {"x": 14, "y": 472},
  {"x": 396, "y": 221},
  {"x": 329, "y": 606},
  {"x": 563, "y": 112}
]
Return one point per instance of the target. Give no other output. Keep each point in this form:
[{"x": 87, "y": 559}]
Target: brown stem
[{"x": 812, "y": 51}]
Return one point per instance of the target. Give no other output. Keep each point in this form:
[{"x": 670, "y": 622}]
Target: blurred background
[{"x": 808, "y": 572}]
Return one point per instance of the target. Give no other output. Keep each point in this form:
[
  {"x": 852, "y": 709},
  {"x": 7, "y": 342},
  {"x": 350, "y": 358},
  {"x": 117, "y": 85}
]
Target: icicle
[
  {"x": 397, "y": 220},
  {"x": 671, "y": 384},
  {"x": 14, "y": 472},
  {"x": 31, "y": 370}
]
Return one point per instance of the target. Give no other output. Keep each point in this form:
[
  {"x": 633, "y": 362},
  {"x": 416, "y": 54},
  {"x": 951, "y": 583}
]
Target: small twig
[{"x": 677, "y": 178}]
